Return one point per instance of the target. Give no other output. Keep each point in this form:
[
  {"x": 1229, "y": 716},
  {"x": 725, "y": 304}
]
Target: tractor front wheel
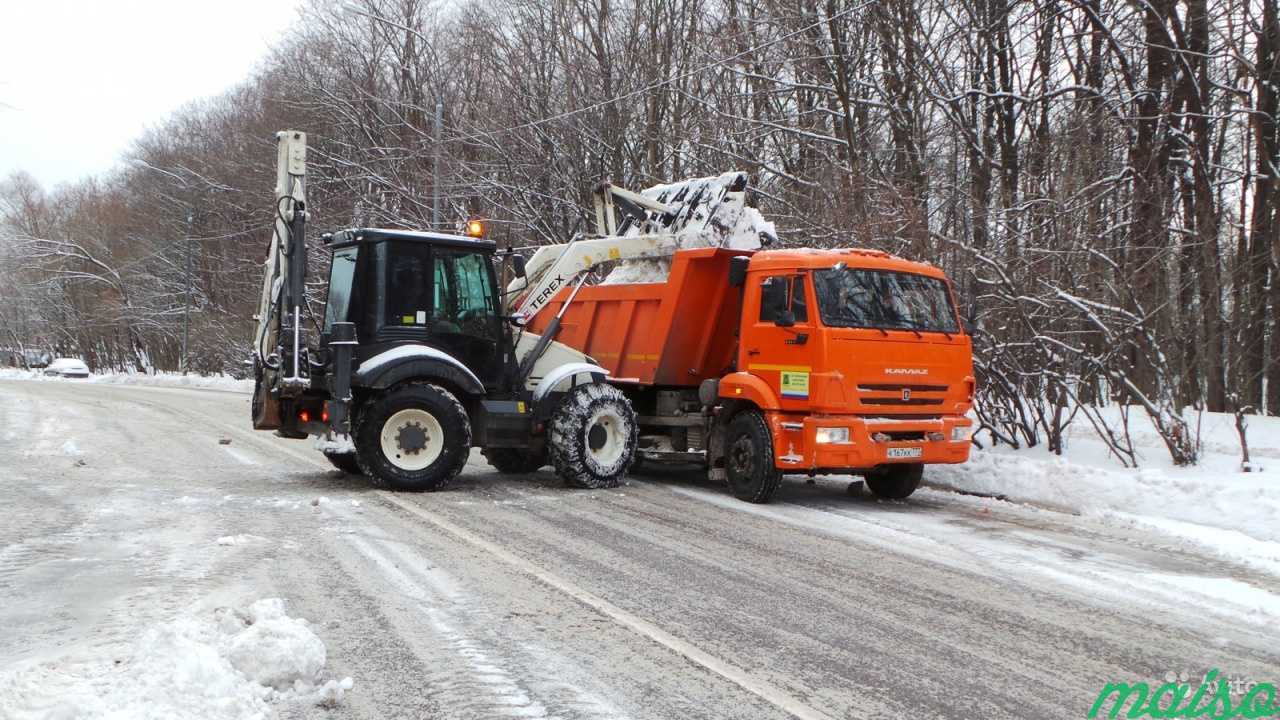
[{"x": 593, "y": 434}]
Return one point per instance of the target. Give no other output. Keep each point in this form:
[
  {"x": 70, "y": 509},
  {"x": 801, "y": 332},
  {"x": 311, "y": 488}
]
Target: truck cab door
[{"x": 777, "y": 334}]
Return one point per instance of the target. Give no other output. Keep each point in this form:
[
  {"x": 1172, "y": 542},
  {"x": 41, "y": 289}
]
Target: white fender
[
  {"x": 410, "y": 351},
  {"x": 564, "y": 372}
]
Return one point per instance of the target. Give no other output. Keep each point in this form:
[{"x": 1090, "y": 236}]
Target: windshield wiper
[
  {"x": 908, "y": 325},
  {"x": 916, "y": 327}
]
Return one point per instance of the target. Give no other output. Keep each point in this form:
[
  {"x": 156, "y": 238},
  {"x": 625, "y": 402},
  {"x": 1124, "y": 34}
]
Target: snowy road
[{"x": 665, "y": 598}]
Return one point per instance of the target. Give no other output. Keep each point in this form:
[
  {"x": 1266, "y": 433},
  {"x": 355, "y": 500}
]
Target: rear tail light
[{"x": 304, "y": 416}]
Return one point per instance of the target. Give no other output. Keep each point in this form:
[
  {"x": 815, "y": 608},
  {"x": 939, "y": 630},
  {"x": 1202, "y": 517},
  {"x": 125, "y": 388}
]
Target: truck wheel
[
  {"x": 895, "y": 482},
  {"x": 514, "y": 461},
  {"x": 346, "y": 462},
  {"x": 414, "y": 438},
  {"x": 593, "y": 436},
  {"x": 749, "y": 458}
]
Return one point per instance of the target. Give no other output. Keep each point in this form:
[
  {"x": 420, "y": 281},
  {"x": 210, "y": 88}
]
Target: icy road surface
[{"x": 122, "y": 513}]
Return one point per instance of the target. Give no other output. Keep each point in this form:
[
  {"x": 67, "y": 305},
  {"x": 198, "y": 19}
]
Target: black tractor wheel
[
  {"x": 749, "y": 458},
  {"x": 346, "y": 462},
  {"x": 593, "y": 436},
  {"x": 415, "y": 438},
  {"x": 515, "y": 461},
  {"x": 895, "y": 482}
]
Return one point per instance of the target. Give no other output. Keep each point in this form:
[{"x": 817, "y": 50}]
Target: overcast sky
[{"x": 80, "y": 79}]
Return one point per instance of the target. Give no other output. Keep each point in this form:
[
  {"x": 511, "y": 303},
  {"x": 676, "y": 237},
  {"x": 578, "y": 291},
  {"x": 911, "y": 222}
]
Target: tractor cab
[{"x": 401, "y": 287}]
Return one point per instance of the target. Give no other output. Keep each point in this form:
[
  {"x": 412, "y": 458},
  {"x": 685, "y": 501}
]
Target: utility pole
[
  {"x": 435, "y": 166},
  {"x": 186, "y": 307}
]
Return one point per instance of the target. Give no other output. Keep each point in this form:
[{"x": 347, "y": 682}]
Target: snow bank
[
  {"x": 720, "y": 218},
  {"x": 234, "y": 663},
  {"x": 160, "y": 379},
  {"x": 1213, "y": 504},
  {"x": 204, "y": 382}
]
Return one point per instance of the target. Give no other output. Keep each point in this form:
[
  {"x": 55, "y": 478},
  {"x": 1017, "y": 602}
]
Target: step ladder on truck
[{"x": 756, "y": 364}]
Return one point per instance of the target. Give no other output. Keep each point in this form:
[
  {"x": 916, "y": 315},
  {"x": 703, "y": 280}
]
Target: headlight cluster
[
  {"x": 961, "y": 433},
  {"x": 831, "y": 435}
]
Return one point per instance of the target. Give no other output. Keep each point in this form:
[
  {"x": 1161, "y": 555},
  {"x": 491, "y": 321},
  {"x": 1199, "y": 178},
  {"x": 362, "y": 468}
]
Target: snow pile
[
  {"x": 234, "y": 664},
  {"x": 1212, "y": 504},
  {"x": 712, "y": 213},
  {"x": 271, "y": 648}
]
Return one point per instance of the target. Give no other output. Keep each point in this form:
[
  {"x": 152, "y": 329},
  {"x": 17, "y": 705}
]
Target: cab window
[
  {"x": 463, "y": 299},
  {"x": 780, "y": 293},
  {"x": 408, "y": 298}
]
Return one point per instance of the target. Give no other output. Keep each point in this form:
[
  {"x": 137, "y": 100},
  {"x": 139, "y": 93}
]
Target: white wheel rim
[
  {"x": 406, "y": 425},
  {"x": 614, "y": 445}
]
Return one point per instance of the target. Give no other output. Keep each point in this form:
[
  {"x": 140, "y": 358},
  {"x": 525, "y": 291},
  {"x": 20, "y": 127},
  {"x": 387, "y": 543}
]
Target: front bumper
[{"x": 871, "y": 442}]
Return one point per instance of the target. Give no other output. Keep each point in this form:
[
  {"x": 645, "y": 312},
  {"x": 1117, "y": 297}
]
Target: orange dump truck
[{"x": 759, "y": 364}]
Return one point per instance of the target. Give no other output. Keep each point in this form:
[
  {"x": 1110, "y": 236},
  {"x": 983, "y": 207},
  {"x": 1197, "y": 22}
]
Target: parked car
[{"x": 67, "y": 368}]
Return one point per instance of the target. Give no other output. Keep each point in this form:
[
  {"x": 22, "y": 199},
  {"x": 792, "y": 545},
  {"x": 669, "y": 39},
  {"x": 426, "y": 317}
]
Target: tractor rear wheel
[
  {"x": 749, "y": 458},
  {"x": 593, "y": 436},
  {"x": 895, "y": 482},
  {"x": 346, "y": 462},
  {"x": 415, "y": 438},
  {"x": 515, "y": 461}
]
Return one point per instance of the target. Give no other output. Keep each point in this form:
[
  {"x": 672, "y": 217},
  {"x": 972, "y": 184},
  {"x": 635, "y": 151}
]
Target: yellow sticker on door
[{"x": 795, "y": 384}]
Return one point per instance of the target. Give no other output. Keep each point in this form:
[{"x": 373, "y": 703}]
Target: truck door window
[
  {"x": 779, "y": 293},
  {"x": 773, "y": 298},
  {"x": 798, "y": 306}
]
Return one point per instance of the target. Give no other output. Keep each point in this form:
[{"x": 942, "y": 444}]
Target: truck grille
[
  {"x": 895, "y": 387},
  {"x": 898, "y": 394},
  {"x": 901, "y": 401}
]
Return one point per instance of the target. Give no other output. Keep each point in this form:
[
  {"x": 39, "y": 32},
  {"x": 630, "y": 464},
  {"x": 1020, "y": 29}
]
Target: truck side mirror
[
  {"x": 738, "y": 270},
  {"x": 517, "y": 265},
  {"x": 785, "y": 318},
  {"x": 971, "y": 319}
]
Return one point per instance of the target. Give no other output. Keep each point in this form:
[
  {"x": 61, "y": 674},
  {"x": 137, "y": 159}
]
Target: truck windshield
[
  {"x": 859, "y": 298},
  {"x": 340, "y": 277}
]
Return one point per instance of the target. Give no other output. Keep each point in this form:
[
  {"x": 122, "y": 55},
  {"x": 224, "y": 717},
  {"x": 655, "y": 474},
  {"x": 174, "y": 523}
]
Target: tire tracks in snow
[{"x": 761, "y": 688}]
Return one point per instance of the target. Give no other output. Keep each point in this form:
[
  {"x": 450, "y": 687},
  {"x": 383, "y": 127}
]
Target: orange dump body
[
  {"x": 835, "y": 398},
  {"x": 675, "y": 333}
]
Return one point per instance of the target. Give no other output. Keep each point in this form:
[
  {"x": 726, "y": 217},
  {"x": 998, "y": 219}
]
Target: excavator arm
[
  {"x": 646, "y": 225},
  {"x": 280, "y": 356}
]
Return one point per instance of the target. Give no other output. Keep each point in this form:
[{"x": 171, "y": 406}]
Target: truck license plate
[{"x": 904, "y": 452}]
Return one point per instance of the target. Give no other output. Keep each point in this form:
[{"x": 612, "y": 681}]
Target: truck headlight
[
  {"x": 961, "y": 433},
  {"x": 831, "y": 435}
]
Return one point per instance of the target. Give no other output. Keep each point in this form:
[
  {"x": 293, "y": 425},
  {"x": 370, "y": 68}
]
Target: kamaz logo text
[{"x": 906, "y": 371}]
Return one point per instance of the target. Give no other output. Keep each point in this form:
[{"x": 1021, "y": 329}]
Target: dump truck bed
[{"x": 674, "y": 333}]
